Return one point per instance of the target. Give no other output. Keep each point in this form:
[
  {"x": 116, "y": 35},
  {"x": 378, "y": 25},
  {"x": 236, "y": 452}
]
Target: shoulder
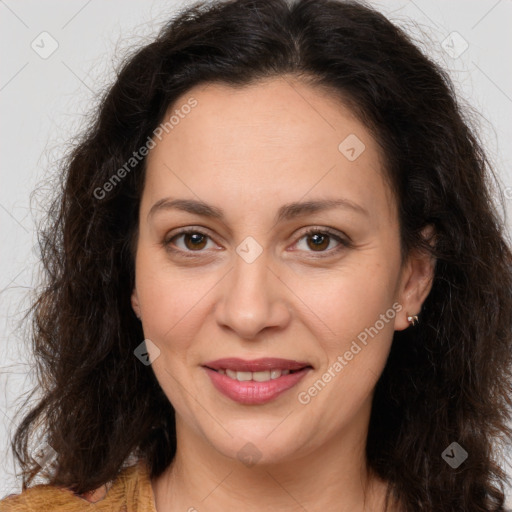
[
  {"x": 42, "y": 498},
  {"x": 131, "y": 490}
]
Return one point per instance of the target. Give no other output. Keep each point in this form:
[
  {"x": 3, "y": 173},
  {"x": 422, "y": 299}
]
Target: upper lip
[{"x": 255, "y": 365}]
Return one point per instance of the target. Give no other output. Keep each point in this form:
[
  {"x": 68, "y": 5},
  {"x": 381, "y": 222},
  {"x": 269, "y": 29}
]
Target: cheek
[
  {"x": 356, "y": 345},
  {"x": 171, "y": 299},
  {"x": 344, "y": 303}
]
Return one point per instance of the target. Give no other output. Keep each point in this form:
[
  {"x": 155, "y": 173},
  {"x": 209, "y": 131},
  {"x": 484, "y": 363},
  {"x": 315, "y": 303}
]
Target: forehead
[{"x": 278, "y": 135}]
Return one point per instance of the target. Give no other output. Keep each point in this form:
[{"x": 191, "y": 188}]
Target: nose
[{"x": 253, "y": 298}]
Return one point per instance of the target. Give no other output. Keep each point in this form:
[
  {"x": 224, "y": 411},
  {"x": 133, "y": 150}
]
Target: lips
[
  {"x": 256, "y": 365},
  {"x": 255, "y": 382}
]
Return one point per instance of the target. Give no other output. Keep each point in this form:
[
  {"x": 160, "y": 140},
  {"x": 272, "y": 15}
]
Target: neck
[{"x": 333, "y": 476}]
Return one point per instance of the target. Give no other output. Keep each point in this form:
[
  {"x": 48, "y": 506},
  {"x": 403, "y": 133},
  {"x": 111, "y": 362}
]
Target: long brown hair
[{"x": 447, "y": 379}]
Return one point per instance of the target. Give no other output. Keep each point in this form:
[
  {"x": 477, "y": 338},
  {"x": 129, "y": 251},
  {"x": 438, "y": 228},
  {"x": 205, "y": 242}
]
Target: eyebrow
[{"x": 286, "y": 212}]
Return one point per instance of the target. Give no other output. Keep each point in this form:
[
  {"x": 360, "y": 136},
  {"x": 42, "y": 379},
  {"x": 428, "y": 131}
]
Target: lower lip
[{"x": 252, "y": 392}]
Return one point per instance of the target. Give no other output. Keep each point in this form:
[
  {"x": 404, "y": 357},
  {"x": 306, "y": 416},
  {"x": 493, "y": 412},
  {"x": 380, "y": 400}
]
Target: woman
[{"x": 276, "y": 280}]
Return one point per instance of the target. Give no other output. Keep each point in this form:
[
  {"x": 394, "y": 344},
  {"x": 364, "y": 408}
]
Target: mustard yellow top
[{"x": 131, "y": 491}]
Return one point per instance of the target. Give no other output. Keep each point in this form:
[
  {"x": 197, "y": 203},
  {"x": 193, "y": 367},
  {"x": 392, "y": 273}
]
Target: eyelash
[{"x": 343, "y": 242}]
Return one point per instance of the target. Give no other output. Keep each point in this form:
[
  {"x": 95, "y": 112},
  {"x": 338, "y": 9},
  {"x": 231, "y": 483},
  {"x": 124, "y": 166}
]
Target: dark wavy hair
[{"x": 448, "y": 379}]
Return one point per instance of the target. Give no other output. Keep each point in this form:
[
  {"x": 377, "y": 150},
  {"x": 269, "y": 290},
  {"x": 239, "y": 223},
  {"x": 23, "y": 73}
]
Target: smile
[
  {"x": 262, "y": 376},
  {"x": 255, "y": 382}
]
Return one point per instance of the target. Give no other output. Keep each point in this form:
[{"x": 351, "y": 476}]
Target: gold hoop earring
[{"x": 413, "y": 320}]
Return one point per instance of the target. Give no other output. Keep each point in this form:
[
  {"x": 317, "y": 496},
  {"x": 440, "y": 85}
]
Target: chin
[{"x": 257, "y": 448}]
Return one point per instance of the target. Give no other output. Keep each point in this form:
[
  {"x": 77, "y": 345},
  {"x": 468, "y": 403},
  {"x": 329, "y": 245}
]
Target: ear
[
  {"x": 416, "y": 281},
  {"x": 135, "y": 303}
]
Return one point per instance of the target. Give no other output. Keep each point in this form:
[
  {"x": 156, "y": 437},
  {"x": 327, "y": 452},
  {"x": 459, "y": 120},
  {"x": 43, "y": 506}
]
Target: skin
[{"x": 249, "y": 151}]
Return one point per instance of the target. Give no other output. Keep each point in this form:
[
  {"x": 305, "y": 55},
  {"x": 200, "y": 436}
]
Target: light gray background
[{"x": 43, "y": 102}]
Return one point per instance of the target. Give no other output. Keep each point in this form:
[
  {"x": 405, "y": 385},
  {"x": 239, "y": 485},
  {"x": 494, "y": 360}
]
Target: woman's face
[{"x": 253, "y": 169}]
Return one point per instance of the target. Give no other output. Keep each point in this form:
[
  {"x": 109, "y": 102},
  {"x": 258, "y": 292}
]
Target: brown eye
[
  {"x": 194, "y": 240},
  {"x": 188, "y": 240},
  {"x": 322, "y": 241},
  {"x": 318, "y": 241}
]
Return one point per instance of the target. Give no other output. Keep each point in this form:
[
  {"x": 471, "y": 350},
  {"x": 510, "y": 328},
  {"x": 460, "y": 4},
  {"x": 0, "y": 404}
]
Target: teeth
[
  {"x": 274, "y": 374},
  {"x": 262, "y": 376}
]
